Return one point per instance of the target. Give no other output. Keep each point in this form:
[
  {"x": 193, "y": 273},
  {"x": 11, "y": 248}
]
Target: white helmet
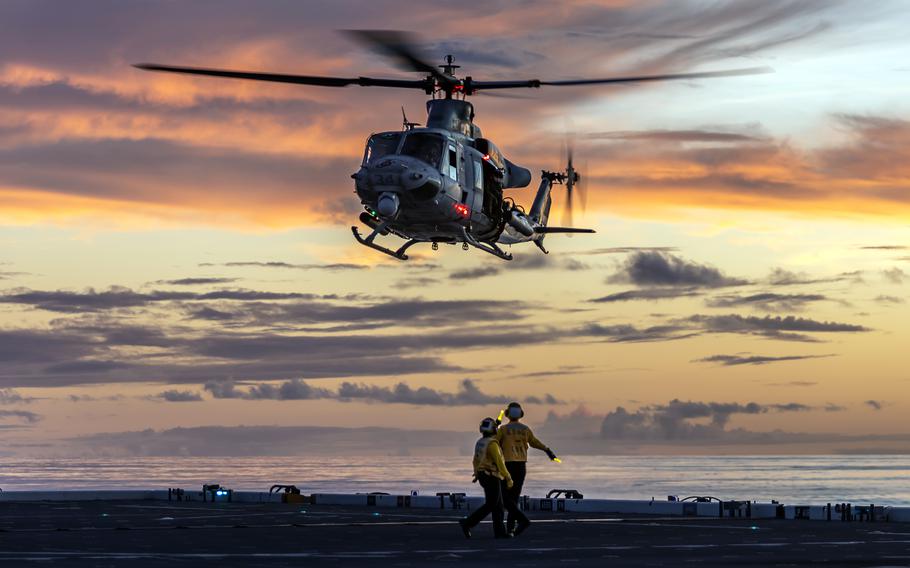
[
  {"x": 488, "y": 426},
  {"x": 514, "y": 411}
]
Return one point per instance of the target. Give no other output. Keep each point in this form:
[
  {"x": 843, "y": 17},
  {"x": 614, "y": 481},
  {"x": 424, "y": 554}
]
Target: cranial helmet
[
  {"x": 488, "y": 426},
  {"x": 514, "y": 410}
]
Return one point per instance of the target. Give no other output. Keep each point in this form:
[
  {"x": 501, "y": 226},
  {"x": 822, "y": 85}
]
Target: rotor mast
[
  {"x": 449, "y": 67},
  {"x": 448, "y": 70}
]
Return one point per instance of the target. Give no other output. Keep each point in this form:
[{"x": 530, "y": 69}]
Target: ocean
[{"x": 876, "y": 479}]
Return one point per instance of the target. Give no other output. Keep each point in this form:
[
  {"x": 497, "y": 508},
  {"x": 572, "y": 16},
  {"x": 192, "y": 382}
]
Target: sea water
[{"x": 788, "y": 479}]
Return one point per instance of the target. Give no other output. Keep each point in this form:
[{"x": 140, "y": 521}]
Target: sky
[{"x": 176, "y": 263}]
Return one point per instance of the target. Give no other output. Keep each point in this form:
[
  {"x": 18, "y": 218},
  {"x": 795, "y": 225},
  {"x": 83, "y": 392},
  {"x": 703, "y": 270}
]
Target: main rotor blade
[
  {"x": 293, "y": 79},
  {"x": 397, "y": 45},
  {"x": 536, "y": 83},
  {"x": 503, "y": 95}
]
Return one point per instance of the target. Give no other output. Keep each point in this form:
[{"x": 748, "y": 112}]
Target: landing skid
[
  {"x": 485, "y": 247},
  {"x": 368, "y": 242}
]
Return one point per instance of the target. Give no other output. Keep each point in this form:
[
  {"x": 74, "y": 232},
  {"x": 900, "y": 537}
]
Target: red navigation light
[
  {"x": 462, "y": 210},
  {"x": 486, "y": 157}
]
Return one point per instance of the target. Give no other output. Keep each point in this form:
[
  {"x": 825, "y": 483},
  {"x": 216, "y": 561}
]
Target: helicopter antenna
[{"x": 405, "y": 123}]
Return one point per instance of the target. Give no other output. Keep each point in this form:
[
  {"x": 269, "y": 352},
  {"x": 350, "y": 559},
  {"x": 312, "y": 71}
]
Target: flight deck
[{"x": 196, "y": 533}]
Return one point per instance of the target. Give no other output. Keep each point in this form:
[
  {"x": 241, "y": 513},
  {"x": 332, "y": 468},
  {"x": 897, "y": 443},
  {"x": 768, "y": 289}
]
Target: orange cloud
[{"x": 866, "y": 175}]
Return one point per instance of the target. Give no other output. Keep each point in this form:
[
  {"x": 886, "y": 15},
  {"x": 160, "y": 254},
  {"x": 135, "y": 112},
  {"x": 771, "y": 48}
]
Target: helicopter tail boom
[
  {"x": 551, "y": 230},
  {"x": 540, "y": 209},
  {"x": 522, "y": 227}
]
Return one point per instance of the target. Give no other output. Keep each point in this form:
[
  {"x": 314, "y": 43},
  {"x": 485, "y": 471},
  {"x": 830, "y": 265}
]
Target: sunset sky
[{"x": 176, "y": 251}]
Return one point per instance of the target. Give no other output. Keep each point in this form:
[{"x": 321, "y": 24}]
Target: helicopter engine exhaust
[
  {"x": 388, "y": 205},
  {"x": 520, "y": 222}
]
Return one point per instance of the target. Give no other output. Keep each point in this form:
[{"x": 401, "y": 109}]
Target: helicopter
[{"x": 443, "y": 182}]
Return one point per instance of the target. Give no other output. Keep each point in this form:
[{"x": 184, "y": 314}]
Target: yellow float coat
[
  {"x": 515, "y": 438},
  {"x": 488, "y": 459}
]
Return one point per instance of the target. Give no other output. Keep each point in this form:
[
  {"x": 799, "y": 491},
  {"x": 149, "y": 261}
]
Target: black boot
[
  {"x": 465, "y": 528},
  {"x": 521, "y": 527}
]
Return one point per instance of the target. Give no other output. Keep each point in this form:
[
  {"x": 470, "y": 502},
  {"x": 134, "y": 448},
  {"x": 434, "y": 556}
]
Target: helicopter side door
[
  {"x": 472, "y": 182},
  {"x": 458, "y": 170}
]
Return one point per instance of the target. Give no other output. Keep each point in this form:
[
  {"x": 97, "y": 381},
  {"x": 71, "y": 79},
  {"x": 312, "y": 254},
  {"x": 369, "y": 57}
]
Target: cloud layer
[
  {"x": 687, "y": 423},
  {"x": 655, "y": 268},
  {"x": 468, "y": 394},
  {"x": 182, "y": 335},
  {"x": 736, "y": 360}
]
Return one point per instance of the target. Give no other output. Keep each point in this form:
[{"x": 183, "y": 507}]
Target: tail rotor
[{"x": 574, "y": 181}]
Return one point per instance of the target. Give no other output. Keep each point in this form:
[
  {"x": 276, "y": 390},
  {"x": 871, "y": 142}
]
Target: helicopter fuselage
[
  {"x": 429, "y": 187},
  {"x": 442, "y": 183}
]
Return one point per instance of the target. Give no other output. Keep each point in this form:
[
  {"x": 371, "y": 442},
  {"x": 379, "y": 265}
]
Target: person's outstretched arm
[{"x": 537, "y": 444}]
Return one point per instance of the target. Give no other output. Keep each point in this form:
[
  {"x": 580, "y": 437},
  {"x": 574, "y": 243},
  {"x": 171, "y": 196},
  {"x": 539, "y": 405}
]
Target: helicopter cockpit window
[
  {"x": 478, "y": 174},
  {"x": 381, "y": 145},
  {"x": 425, "y": 147},
  {"x": 453, "y": 163}
]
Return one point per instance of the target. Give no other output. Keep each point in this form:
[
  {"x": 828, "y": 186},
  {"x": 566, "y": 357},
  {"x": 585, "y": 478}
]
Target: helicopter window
[
  {"x": 478, "y": 174},
  {"x": 381, "y": 145},
  {"x": 425, "y": 147},
  {"x": 453, "y": 163}
]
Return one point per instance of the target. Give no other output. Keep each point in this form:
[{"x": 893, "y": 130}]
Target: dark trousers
[
  {"x": 511, "y": 496},
  {"x": 492, "y": 490}
]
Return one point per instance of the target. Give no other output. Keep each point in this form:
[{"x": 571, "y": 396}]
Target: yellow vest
[
  {"x": 488, "y": 458},
  {"x": 515, "y": 438}
]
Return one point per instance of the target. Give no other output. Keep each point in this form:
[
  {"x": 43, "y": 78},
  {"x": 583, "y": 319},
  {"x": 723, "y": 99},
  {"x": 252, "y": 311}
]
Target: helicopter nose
[
  {"x": 405, "y": 174},
  {"x": 421, "y": 186}
]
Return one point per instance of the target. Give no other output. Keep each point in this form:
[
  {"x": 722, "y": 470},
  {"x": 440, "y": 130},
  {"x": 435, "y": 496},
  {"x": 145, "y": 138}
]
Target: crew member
[
  {"x": 490, "y": 471},
  {"x": 515, "y": 438}
]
